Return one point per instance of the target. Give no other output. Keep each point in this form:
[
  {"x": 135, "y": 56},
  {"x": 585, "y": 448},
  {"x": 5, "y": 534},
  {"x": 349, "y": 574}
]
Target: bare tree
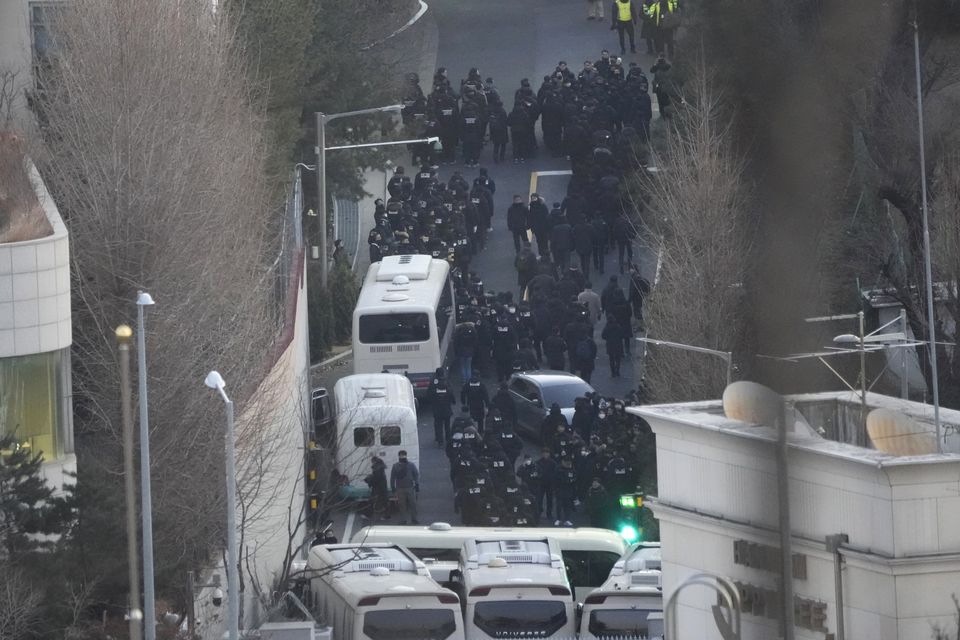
[
  {"x": 21, "y": 605},
  {"x": 698, "y": 213},
  {"x": 155, "y": 155}
]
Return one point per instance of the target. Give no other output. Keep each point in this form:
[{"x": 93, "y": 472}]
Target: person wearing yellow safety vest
[
  {"x": 624, "y": 15},
  {"x": 665, "y": 16}
]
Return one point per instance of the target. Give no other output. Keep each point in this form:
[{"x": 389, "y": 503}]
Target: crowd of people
[
  {"x": 591, "y": 460},
  {"x": 600, "y": 119}
]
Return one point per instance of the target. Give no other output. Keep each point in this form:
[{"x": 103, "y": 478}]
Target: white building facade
[
  {"x": 35, "y": 337},
  {"x": 718, "y": 512}
]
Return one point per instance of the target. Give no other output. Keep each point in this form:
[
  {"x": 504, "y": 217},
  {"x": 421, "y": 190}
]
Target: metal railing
[{"x": 283, "y": 270}]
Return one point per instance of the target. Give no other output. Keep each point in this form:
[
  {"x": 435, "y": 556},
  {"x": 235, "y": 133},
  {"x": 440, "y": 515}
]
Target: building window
[
  {"x": 42, "y": 18},
  {"x": 32, "y": 390}
]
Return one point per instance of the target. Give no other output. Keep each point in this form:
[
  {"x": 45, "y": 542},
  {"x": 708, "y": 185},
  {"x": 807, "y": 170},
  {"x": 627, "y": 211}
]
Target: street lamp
[
  {"x": 322, "y": 120},
  {"x": 215, "y": 381},
  {"x": 931, "y": 323},
  {"x": 146, "y": 501},
  {"x": 726, "y": 356},
  {"x": 123, "y": 334}
]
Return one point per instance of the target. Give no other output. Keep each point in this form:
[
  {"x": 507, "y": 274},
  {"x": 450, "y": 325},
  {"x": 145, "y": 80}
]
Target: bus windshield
[
  {"x": 409, "y": 624},
  {"x": 388, "y": 328},
  {"x": 530, "y": 618},
  {"x": 619, "y": 623}
]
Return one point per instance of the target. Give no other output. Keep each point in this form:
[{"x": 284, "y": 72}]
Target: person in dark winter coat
[
  {"x": 441, "y": 400},
  {"x": 499, "y": 131},
  {"x": 598, "y": 503},
  {"x": 465, "y": 346},
  {"x": 613, "y": 337},
  {"x": 377, "y": 481},
  {"x": 586, "y": 357},
  {"x": 517, "y": 223},
  {"x": 474, "y": 395},
  {"x": 554, "y": 349},
  {"x": 621, "y": 311},
  {"x": 548, "y": 427},
  {"x": 547, "y": 471},
  {"x": 539, "y": 223},
  {"x": 583, "y": 245},
  {"x": 561, "y": 243},
  {"x": 611, "y": 296}
]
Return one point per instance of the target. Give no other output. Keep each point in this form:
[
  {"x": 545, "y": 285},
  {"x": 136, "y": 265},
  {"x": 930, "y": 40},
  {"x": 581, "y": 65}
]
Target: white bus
[
  {"x": 630, "y": 603},
  {"x": 588, "y": 554},
  {"x": 379, "y": 592},
  {"x": 404, "y": 319},
  {"x": 514, "y": 587},
  {"x": 375, "y": 414}
]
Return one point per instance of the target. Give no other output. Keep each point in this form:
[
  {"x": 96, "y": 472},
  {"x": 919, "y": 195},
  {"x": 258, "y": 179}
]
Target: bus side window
[
  {"x": 390, "y": 436},
  {"x": 363, "y": 437},
  {"x": 577, "y": 564},
  {"x": 601, "y": 563}
]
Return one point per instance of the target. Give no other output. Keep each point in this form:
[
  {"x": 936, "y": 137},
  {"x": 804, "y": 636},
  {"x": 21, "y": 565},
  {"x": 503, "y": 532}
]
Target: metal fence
[{"x": 285, "y": 268}]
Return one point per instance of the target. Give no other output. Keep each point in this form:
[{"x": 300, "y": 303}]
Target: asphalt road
[{"x": 509, "y": 41}]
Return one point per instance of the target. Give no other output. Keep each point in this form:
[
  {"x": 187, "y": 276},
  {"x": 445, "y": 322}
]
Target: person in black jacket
[
  {"x": 586, "y": 357},
  {"x": 465, "y": 346},
  {"x": 539, "y": 222},
  {"x": 554, "y": 349},
  {"x": 377, "y": 481},
  {"x": 561, "y": 243},
  {"x": 546, "y": 471},
  {"x": 613, "y": 337},
  {"x": 624, "y": 233},
  {"x": 499, "y": 131},
  {"x": 521, "y": 125},
  {"x": 583, "y": 245},
  {"x": 474, "y": 395},
  {"x": 442, "y": 401},
  {"x": 517, "y": 223}
]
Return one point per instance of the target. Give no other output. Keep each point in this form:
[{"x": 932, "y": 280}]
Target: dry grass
[{"x": 21, "y": 217}]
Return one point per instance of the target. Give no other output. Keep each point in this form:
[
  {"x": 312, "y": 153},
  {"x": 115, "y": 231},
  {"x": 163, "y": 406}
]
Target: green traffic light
[
  {"x": 629, "y": 533},
  {"x": 628, "y": 501}
]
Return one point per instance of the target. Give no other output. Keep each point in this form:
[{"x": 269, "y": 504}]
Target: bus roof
[
  {"x": 513, "y": 561},
  {"x": 401, "y": 281},
  {"x": 375, "y": 570},
  {"x": 441, "y": 535},
  {"x": 373, "y": 390}
]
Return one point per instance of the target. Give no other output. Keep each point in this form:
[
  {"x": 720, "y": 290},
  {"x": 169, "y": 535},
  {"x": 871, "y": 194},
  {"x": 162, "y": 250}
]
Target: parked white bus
[
  {"x": 404, "y": 318},
  {"x": 630, "y": 603},
  {"x": 379, "y": 592},
  {"x": 376, "y": 414},
  {"x": 514, "y": 587},
  {"x": 588, "y": 554}
]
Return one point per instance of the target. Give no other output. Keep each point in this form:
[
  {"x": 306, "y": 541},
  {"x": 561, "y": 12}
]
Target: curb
[{"x": 419, "y": 14}]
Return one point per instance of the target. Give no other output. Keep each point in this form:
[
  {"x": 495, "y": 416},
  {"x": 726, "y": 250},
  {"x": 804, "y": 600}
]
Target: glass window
[
  {"x": 390, "y": 436},
  {"x": 363, "y": 437},
  {"x": 588, "y": 568},
  {"x": 619, "y": 623},
  {"x": 515, "y": 617},
  {"x": 388, "y": 328},
  {"x": 444, "y": 310},
  {"x": 438, "y": 554},
  {"x": 565, "y": 394},
  {"x": 409, "y": 624},
  {"x": 31, "y": 391},
  {"x": 42, "y": 18},
  {"x": 520, "y": 387}
]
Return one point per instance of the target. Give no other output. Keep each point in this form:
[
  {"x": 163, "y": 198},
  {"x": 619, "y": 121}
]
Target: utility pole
[
  {"x": 322, "y": 193},
  {"x": 786, "y": 540},
  {"x": 123, "y": 334}
]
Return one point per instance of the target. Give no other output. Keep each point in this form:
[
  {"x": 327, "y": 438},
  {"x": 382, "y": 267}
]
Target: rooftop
[
  {"x": 828, "y": 423},
  {"x": 21, "y": 215}
]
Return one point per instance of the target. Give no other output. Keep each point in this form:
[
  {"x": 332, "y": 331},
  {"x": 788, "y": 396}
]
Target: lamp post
[
  {"x": 931, "y": 323},
  {"x": 322, "y": 120},
  {"x": 146, "y": 501},
  {"x": 123, "y": 334},
  {"x": 726, "y": 356},
  {"x": 215, "y": 381}
]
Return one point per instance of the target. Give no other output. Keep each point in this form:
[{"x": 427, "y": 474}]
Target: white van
[
  {"x": 379, "y": 592},
  {"x": 630, "y": 603},
  {"x": 589, "y": 554},
  {"x": 376, "y": 414},
  {"x": 514, "y": 587},
  {"x": 404, "y": 318}
]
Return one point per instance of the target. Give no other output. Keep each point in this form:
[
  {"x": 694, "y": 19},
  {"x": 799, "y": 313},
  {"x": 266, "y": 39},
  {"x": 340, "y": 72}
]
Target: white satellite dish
[
  {"x": 752, "y": 403},
  {"x": 894, "y": 433}
]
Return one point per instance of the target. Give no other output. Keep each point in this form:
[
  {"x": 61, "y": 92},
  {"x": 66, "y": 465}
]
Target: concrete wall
[
  {"x": 270, "y": 449},
  {"x": 717, "y": 484}
]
